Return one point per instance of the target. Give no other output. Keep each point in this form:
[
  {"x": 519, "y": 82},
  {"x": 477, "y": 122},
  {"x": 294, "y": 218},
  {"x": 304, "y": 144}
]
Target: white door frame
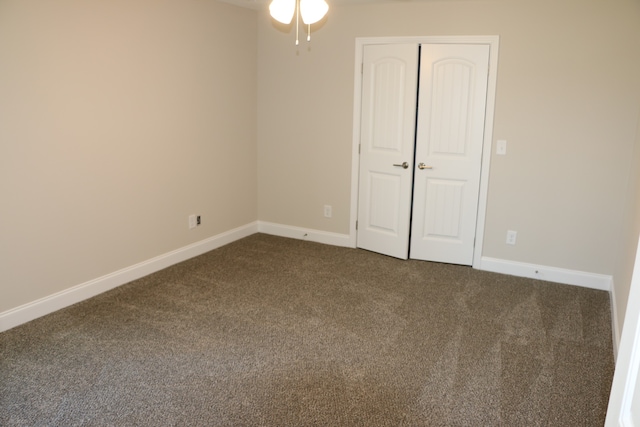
[
  {"x": 624, "y": 400},
  {"x": 493, "y": 42}
]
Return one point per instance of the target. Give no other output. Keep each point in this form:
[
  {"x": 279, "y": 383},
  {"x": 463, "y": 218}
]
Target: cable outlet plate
[{"x": 194, "y": 221}]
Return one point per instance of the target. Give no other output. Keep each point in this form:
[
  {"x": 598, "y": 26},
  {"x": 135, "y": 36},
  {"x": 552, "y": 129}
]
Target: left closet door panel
[{"x": 387, "y": 130}]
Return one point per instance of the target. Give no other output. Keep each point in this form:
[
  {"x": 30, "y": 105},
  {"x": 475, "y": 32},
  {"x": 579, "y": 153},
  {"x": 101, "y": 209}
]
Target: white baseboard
[
  {"x": 75, "y": 294},
  {"x": 551, "y": 274},
  {"x": 49, "y": 304},
  {"x": 299, "y": 233}
]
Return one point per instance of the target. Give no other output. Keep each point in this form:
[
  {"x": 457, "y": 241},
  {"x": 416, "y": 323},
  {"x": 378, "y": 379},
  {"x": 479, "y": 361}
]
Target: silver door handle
[
  {"x": 423, "y": 166},
  {"x": 404, "y": 165}
]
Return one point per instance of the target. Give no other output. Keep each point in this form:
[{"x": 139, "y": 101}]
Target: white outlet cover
[{"x": 501, "y": 147}]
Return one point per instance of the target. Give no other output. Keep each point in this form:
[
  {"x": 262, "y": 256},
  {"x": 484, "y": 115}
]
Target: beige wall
[
  {"x": 567, "y": 102},
  {"x": 118, "y": 119}
]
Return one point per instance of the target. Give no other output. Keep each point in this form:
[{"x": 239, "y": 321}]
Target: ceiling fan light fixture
[
  {"x": 282, "y": 10},
  {"x": 313, "y": 10}
]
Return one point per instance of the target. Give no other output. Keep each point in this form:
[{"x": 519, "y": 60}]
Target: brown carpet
[{"x": 269, "y": 331}]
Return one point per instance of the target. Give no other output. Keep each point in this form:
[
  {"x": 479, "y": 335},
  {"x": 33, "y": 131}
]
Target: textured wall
[{"x": 118, "y": 119}]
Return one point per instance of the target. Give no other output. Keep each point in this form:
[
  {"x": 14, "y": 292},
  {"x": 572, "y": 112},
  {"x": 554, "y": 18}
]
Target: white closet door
[
  {"x": 387, "y": 132},
  {"x": 451, "y": 114}
]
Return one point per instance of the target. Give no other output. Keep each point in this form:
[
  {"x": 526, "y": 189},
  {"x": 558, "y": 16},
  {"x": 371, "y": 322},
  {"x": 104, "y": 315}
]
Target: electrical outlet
[
  {"x": 327, "y": 211},
  {"x": 501, "y": 147},
  {"x": 511, "y": 237},
  {"x": 193, "y": 222},
  {"x": 198, "y": 221}
]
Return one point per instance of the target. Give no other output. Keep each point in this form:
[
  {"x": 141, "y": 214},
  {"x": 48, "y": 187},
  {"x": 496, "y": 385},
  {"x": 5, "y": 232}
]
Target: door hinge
[
  {"x": 356, "y": 225},
  {"x": 362, "y": 68},
  {"x": 359, "y": 147}
]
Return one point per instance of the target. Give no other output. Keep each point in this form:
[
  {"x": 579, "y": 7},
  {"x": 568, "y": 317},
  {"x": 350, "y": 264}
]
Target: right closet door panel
[{"x": 450, "y": 132}]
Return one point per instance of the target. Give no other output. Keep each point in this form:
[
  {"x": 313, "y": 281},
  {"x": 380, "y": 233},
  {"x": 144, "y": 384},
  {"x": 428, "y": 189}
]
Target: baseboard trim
[
  {"x": 310, "y": 234},
  {"x": 551, "y": 274},
  {"x": 43, "y": 306}
]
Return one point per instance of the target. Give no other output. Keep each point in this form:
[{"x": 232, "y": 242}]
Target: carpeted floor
[{"x": 269, "y": 331}]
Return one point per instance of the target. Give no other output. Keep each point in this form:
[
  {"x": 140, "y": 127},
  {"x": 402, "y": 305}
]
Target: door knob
[
  {"x": 404, "y": 165},
  {"x": 423, "y": 166}
]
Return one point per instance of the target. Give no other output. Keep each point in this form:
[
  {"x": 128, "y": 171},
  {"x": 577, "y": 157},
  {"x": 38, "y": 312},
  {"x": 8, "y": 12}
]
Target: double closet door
[{"x": 421, "y": 137}]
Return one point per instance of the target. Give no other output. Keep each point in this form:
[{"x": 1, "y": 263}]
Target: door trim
[{"x": 493, "y": 42}]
